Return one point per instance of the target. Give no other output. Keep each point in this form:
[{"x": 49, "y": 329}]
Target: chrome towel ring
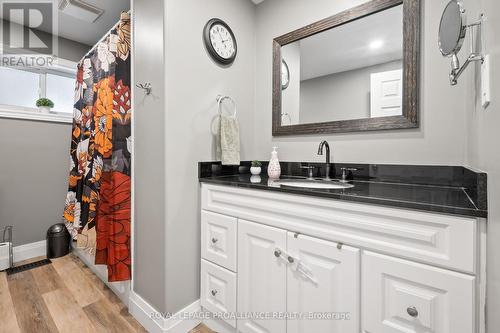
[{"x": 221, "y": 99}]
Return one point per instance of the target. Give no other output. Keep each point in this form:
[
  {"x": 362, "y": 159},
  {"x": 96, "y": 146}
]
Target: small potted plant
[
  {"x": 44, "y": 105},
  {"x": 256, "y": 168}
]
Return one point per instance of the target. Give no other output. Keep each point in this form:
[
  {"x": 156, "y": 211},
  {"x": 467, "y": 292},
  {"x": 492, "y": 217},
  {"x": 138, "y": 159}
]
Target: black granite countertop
[{"x": 449, "y": 190}]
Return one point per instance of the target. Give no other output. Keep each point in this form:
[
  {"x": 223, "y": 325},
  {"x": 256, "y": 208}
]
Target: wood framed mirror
[{"x": 357, "y": 70}]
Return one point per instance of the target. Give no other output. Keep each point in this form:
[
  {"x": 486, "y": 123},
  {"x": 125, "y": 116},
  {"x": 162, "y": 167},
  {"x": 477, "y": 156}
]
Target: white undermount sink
[{"x": 318, "y": 184}]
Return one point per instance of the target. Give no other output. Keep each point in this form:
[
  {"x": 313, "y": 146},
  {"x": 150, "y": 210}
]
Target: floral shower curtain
[{"x": 97, "y": 210}]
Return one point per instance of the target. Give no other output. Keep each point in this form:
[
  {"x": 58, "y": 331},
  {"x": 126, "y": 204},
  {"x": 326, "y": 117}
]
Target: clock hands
[{"x": 222, "y": 39}]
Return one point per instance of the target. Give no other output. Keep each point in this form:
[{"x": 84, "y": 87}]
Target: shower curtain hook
[{"x": 146, "y": 86}]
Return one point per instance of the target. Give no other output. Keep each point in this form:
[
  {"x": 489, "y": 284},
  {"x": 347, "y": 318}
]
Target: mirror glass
[
  {"x": 451, "y": 29},
  {"x": 352, "y": 71}
]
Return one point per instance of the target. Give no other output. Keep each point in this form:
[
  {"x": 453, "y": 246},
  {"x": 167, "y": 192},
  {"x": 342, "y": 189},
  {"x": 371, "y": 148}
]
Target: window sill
[{"x": 36, "y": 116}]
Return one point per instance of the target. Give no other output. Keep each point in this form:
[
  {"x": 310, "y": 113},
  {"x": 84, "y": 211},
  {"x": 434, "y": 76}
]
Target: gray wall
[
  {"x": 71, "y": 50},
  {"x": 339, "y": 96},
  {"x": 482, "y": 148},
  {"x": 438, "y": 141},
  {"x": 34, "y": 169},
  {"x": 149, "y": 225},
  {"x": 193, "y": 82},
  {"x": 67, "y": 49}
]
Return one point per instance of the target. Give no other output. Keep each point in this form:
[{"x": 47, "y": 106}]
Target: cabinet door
[
  {"x": 324, "y": 281},
  {"x": 261, "y": 276},
  {"x": 402, "y": 296}
]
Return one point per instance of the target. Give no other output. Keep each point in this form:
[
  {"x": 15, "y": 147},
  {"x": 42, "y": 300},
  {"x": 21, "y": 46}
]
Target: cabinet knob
[
  {"x": 214, "y": 240},
  {"x": 412, "y": 311},
  {"x": 277, "y": 253},
  {"x": 290, "y": 259},
  {"x": 214, "y": 292}
]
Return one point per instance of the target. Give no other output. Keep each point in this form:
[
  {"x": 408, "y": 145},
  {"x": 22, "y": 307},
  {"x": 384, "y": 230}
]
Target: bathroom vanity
[{"x": 380, "y": 257}]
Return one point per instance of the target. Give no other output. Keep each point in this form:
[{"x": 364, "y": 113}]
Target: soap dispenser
[{"x": 274, "y": 168}]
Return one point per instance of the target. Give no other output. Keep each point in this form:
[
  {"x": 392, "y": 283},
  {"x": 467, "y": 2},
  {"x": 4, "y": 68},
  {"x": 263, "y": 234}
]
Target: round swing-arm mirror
[{"x": 452, "y": 29}]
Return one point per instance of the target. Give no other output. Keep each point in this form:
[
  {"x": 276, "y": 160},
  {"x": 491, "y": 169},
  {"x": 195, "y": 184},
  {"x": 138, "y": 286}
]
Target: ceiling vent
[{"x": 80, "y": 10}]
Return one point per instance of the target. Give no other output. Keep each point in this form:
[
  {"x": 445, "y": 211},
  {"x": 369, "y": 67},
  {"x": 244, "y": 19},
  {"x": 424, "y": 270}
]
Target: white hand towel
[{"x": 228, "y": 147}]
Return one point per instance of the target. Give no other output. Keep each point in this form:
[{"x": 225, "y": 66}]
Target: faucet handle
[
  {"x": 344, "y": 173},
  {"x": 350, "y": 169},
  {"x": 310, "y": 169}
]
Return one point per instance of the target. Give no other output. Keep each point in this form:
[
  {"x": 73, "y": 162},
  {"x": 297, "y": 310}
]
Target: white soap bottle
[{"x": 274, "y": 168}]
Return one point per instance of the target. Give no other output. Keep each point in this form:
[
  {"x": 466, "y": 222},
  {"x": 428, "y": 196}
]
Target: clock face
[
  {"x": 285, "y": 75},
  {"x": 220, "y": 41}
]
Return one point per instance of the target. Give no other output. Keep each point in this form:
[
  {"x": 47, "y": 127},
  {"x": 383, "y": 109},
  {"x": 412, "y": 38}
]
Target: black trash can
[{"x": 58, "y": 241}]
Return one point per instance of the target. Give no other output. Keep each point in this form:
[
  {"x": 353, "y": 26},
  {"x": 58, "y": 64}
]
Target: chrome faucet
[{"x": 320, "y": 152}]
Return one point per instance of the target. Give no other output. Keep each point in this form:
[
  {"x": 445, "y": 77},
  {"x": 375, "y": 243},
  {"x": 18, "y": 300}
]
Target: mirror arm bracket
[{"x": 456, "y": 72}]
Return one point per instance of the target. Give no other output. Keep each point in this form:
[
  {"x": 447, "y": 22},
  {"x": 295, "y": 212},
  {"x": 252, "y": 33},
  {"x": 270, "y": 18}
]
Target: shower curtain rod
[{"x": 102, "y": 38}]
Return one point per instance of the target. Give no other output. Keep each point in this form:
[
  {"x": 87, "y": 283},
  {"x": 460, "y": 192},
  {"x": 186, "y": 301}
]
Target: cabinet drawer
[
  {"x": 403, "y": 296},
  {"x": 218, "y": 239},
  {"x": 218, "y": 290}
]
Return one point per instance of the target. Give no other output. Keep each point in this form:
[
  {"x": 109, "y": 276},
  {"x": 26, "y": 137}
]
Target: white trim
[
  {"x": 153, "y": 322},
  {"x": 482, "y": 271},
  {"x": 218, "y": 325},
  {"x": 15, "y": 113},
  {"x": 121, "y": 289},
  {"x": 64, "y": 66},
  {"x": 29, "y": 251}
]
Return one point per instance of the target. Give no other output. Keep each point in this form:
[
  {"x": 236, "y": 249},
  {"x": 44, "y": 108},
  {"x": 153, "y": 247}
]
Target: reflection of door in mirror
[
  {"x": 352, "y": 71},
  {"x": 386, "y": 94}
]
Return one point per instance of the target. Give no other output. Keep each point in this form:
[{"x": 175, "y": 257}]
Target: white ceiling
[
  {"x": 348, "y": 47},
  {"x": 89, "y": 33}
]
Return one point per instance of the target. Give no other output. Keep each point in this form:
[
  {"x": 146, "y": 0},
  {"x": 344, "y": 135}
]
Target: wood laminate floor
[{"x": 65, "y": 296}]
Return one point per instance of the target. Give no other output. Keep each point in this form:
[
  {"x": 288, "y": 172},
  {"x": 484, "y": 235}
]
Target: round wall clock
[
  {"x": 220, "y": 41},
  {"x": 285, "y": 75}
]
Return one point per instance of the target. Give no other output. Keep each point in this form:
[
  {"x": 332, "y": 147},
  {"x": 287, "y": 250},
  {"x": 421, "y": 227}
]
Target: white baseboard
[
  {"x": 153, "y": 322},
  {"x": 29, "y": 251},
  {"x": 219, "y": 326}
]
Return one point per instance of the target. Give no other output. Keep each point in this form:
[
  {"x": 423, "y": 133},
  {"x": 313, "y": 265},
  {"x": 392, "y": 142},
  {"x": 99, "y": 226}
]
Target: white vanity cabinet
[{"x": 325, "y": 265}]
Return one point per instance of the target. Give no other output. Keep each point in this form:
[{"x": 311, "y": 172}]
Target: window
[
  {"x": 61, "y": 90},
  {"x": 20, "y": 89}
]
